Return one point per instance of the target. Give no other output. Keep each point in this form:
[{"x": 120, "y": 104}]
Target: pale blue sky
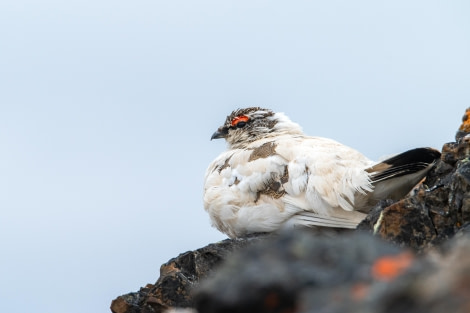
[{"x": 107, "y": 107}]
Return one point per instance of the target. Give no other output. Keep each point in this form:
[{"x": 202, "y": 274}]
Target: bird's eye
[
  {"x": 241, "y": 124},
  {"x": 240, "y": 121}
]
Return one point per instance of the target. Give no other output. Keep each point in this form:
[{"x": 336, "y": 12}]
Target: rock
[
  {"x": 437, "y": 209},
  {"x": 464, "y": 128},
  {"x": 177, "y": 278},
  {"x": 179, "y": 310},
  {"x": 272, "y": 275},
  {"x": 412, "y": 255},
  {"x": 359, "y": 273},
  {"x": 432, "y": 283}
]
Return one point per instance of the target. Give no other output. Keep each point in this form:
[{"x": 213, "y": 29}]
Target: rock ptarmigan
[{"x": 272, "y": 176}]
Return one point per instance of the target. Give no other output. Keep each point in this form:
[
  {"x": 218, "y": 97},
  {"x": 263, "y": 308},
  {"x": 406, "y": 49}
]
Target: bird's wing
[{"x": 325, "y": 173}]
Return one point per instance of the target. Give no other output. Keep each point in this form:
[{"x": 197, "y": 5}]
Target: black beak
[{"x": 220, "y": 133}]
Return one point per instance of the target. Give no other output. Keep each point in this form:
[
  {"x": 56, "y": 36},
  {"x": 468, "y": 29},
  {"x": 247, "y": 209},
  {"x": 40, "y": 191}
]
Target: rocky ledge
[{"x": 412, "y": 255}]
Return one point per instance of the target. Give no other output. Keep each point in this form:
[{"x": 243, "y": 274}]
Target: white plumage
[{"x": 272, "y": 175}]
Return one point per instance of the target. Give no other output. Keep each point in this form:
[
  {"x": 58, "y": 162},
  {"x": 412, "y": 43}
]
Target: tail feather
[
  {"x": 311, "y": 219},
  {"x": 396, "y": 176},
  {"x": 405, "y": 163}
]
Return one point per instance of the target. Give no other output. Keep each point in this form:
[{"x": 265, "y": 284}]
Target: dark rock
[
  {"x": 128, "y": 303},
  {"x": 406, "y": 223},
  {"x": 356, "y": 274},
  {"x": 177, "y": 278},
  {"x": 435, "y": 283},
  {"x": 270, "y": 276},
  {"x": 437, "y": 209}
]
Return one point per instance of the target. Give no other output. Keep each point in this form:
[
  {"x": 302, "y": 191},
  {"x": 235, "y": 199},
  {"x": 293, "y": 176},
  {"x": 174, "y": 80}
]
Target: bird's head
[{"x": 243, "y": 126}]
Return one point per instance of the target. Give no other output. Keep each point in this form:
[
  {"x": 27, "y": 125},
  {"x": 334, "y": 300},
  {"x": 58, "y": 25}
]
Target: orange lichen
[
  {"x": 465, "y": 127},
  {"x": 389, "y": 267}
]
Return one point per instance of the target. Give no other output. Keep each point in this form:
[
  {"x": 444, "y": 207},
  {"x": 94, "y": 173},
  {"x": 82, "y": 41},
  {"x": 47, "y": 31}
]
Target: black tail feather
[{"x": 405, "y": 163}]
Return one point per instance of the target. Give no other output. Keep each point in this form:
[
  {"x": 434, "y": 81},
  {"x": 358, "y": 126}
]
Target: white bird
[{"x": 273, "y": 175}]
